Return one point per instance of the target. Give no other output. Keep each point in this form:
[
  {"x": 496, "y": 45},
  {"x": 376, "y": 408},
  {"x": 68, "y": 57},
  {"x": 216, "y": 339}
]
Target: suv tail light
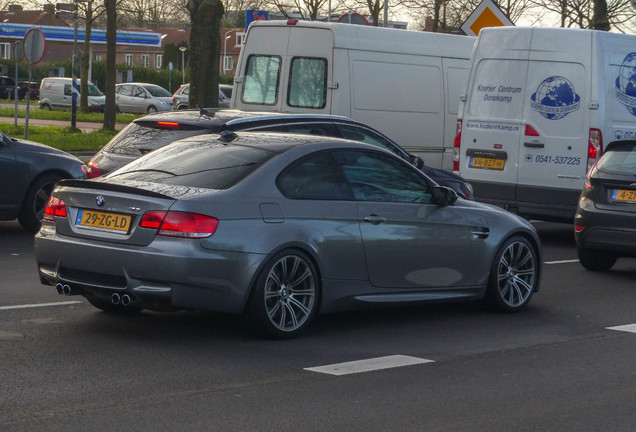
[
  {"x": 93, "y": 169},
  {"x": 457, "y": 145},
  {"x": 55, "y": 207},
  {"x": 179, "y": 224},
  {"x": 595, "y": 148}
]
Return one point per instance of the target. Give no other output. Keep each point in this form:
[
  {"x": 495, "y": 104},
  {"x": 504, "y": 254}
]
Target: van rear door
[
  {"x": 492, "y": 129},
  {"x": 287, "y": 68},
  {"x": 553, "y": 151}
]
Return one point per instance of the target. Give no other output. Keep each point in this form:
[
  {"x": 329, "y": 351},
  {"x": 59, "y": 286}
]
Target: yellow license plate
[
  {"x": 624, "y": 195},
  {"x": 103, "y": 220},
  {"x": 486, "y": 163}
]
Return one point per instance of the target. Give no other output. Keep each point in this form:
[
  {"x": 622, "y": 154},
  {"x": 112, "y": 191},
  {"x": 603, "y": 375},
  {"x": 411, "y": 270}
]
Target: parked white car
[
  {"x": 57, "y": 93},
  {"x": 142, "y": 98}
]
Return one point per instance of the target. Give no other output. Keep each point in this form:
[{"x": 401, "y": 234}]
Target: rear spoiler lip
[{"x": 100, "y": 185}]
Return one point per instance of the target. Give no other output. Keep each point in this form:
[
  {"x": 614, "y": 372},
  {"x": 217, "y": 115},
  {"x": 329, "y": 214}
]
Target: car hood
[{"x": 495, "y": 210}]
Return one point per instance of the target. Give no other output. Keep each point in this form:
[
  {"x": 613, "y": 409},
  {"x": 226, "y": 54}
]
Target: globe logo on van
[
  {"x": 626, "y": 83},
  {"x": 555, "y": 98}
]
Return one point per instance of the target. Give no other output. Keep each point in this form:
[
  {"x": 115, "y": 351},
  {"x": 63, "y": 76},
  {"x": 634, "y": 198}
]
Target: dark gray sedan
[
  {"x": 282, "y": 227},
  {"x": 28, "y": 172}
]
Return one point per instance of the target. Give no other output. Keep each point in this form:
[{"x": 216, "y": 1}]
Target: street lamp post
[
  {"x": 222, "y": 68},
  {"x": 183, "y": 50}
]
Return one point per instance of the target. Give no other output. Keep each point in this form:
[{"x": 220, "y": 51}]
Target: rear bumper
[
  {"x": 611, "y": 231},
  {"x": 168, "y": 272}
]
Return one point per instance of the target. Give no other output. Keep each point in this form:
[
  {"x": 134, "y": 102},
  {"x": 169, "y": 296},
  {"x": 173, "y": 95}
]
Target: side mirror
[
  {"x": 444, "y": 196},
  {"x": 416, "y": 161}
]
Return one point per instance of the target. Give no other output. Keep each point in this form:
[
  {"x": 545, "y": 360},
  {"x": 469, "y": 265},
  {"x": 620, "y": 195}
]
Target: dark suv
[{"x": 153, "y": 131}]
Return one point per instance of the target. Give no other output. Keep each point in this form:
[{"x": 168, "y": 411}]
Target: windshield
[
  {"x": 93, "y": 90},
  {"x": 157, "y": 91}
]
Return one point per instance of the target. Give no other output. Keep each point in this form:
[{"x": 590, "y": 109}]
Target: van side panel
[{"x": 400, "y": 107}]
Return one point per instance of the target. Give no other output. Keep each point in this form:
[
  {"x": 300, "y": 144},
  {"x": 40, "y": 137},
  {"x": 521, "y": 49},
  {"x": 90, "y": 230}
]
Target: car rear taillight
[
  {"x": 55, "y": 207},
  {"x": 93, "y": 169},
  {"x": 578, "y": 228},
  {"x": 530, "y": 131},
  {"x": 179, "y": 224},
  {"x": 594, "y": 148},
  {"x": 457, "y": 145}
]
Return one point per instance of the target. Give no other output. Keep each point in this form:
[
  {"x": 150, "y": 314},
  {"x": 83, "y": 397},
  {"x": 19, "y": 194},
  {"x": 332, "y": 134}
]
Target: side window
[
  {"x": 307, "y": 83},
  {"x": 138, "y": 92},
  {"x": 262, "y": 77},
  {"x": 378, "y": 177},
  {"x": 315, "y": 177},
  {"x": 67, "y": 90},
  {"x": 124, "y": 90},
  {"x": 359, "y": 134}
]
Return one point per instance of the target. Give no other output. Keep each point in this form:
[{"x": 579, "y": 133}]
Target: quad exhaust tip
[{"x": 63, "y": 289}]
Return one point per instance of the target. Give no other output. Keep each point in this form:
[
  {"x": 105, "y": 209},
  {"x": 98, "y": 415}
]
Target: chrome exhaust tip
[
  {"x": 115, "y": 298},
  {"x": 59, "y": 288},
  {"x": 67, "y": 290},
  {"x": 125, "y": 300}
]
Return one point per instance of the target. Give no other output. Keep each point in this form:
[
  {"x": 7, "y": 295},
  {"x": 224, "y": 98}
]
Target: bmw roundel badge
[{"x": 99, "y": 200}]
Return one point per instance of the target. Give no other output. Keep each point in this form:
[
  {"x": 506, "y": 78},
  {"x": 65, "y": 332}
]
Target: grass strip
[
  {"x": 63, "y": 138},
  {"x": 37, "y": 113}
]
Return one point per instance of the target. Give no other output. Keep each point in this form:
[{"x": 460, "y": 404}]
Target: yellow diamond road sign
[{"x": 487, "y": 14}]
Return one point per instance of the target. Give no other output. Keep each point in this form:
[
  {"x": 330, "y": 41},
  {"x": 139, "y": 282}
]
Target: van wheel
[
  {"x": 596, "y": 260},
  {"x": 152, "y": 109},
  {"x": 46, "y": 107},
  {"x": 35, "y": 202},
  {"x": 117, "y": 109},
  {"x": 513, "y": 276}
]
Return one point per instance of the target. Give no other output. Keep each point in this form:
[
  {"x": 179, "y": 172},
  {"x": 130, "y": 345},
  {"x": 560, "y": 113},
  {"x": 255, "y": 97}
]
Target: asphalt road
[{"x": 557, "y": 366}]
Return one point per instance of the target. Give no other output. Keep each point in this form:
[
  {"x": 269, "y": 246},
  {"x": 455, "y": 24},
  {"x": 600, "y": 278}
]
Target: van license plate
[
  {"x": 108, "y": 221},
  {"x": 486, "y": 163},
  {"x": 624, "y": 195}
]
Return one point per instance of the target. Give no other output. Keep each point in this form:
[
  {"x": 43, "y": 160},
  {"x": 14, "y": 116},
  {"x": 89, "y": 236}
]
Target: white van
[
  {"x": 539, "y": 104},
  {"x": 57, "y": 93},
  {"x": 404, "y": 83}
]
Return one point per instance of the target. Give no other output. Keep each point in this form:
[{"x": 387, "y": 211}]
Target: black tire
[
  {"x": 117, "y": 109},
  {"x": 152, "y": 109},
  {"x": 514, "y": 276},
  {"x": 596, "y": 260},
  {"x": 35, "y": 200},
  {"x": 111, "y": 308},
  {"x": 45, "y": 107},
  {"x": 286, "y": 296}
]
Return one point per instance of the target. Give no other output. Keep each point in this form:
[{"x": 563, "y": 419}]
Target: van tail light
[
  {"x": 93, "y": 169},
  {"x": 530, "y": 131},
  {"x": 179, "y": 224},
  {"x": 55, "y": 207},
  {"x": 457, "y": 145},
  {"x": 595, "y": 148}
]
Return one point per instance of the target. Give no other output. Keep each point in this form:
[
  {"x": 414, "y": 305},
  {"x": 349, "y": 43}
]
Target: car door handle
[
  {"x": 534, "y": 144},
  {"x": 374, "y": 219}
]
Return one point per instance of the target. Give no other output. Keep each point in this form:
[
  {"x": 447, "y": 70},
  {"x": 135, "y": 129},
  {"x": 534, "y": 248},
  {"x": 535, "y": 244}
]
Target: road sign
[
  {"x": 69, "y": 16},
  {"x": 66, "y": 6},
  {"x": 170, "y": 65},
  {"x": 487, "y": 14},
  {"x": 34, "y": 45}
]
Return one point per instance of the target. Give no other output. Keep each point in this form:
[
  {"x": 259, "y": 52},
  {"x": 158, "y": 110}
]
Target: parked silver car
[
  {"x": 181, "y": 98},
  {"x": 280, "y": 226},
  {"x": 142, "y": 98}
]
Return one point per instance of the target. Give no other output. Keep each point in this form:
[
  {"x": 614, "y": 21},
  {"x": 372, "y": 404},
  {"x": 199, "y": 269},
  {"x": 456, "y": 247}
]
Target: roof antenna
[
  {"x": 203, "y": 112},
  {"x": 228, "y": 136}
]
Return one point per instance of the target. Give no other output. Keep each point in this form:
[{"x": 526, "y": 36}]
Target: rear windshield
[
  {"x": 207, "y": 164},
  {"x": 620, "y": 158},
  {"x": 137, "y": 140}
]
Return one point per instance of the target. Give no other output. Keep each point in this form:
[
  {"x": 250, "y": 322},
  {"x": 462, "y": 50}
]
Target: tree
[
  {"x": 90, "y": 15},
  {"x": 110, "y": 110},
  {"x": 205, "y": 45},
  {"x": 600, "y": 20}
]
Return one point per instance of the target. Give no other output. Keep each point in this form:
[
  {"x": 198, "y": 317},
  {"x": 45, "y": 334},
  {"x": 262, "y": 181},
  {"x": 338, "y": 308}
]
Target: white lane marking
[
  {"x": 626, "y": 328},
  {"x": 26, "y": 306},
  {"x": 368, "y": 365},
  {"x": 562, "y": 261}
]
